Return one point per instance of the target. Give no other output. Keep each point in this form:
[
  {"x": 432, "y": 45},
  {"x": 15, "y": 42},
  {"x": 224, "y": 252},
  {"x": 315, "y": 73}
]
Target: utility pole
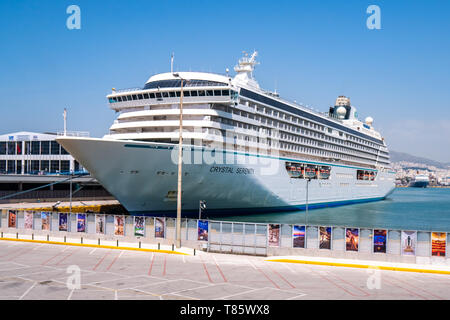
[{"x": 180, "y": 166}]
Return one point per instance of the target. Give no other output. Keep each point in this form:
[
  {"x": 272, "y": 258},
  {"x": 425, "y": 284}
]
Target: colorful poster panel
[
  {"x": 12, "y": 218},
  {"x": 351, "y": 239},
  {"x": 274, "y": 235},
  {"x": 81, "y": 222},
  {"x": 409, "y": 240},
  {"x": 379, "y": 240},
  {"x": 45, "y": 217},
  {"x": 298, "y": 236},
  {"x": 325, "y": 238},
  {"x": 202, "y": 228},
  {"x": 28, "y": 220},
  {"x": 159, "y": 227},
  {"x": 438, "y": 244},
  {"x": 119, "y": 222},
  {"x": 63, "y": 225},
  {"x": 139, "y": 226},
  {"x": 100, "y": 224}
]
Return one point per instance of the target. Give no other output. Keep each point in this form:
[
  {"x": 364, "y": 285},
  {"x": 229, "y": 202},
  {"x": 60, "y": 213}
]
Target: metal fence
[{"x": 424, "y": 247}]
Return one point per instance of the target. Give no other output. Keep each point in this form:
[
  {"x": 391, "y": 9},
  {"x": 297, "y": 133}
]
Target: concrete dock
[{"x": 41, "y": 271}]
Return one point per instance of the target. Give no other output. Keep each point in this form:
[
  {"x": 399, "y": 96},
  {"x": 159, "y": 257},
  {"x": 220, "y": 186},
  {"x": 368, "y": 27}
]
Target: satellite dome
[
  {"x": 341, "y": 111},
  {"x": 369, "y": 121}
]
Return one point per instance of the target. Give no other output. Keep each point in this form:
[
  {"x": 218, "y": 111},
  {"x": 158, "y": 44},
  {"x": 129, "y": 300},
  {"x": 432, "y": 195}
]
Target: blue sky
[{"x": 312, "y": 51}]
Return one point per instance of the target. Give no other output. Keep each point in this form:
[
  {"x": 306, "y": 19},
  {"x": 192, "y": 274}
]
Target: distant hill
[{"x": 401, "y": 156}]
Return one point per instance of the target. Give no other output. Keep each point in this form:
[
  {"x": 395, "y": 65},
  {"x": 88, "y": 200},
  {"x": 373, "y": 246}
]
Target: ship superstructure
[{"x": 233, "y": 131}]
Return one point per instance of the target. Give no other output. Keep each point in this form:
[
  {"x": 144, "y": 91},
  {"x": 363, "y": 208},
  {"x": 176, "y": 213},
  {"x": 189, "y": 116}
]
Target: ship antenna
[{"x": 171, "y": 62}]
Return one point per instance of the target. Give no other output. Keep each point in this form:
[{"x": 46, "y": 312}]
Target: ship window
[
  {"x": 140, "y": 97},
  {"x": 134, "y": 97},
  {"x": 186, "y": 93},
  {"x": 194, "y": 93},
  {"x": 129, "y": 98},
  {"x": 119, "y": 99},
  {"x": 217, "y": 92},
  {"x": 145, "y": 95},
  {"x": 201, "y": 93},
  {"x": 152, "y": 95},
  {"x": 165, "y": 94},
  {"x": 158, "y": 94},
  {"x": 172, "y": 94},
  {"x": 209, "y": 92}
]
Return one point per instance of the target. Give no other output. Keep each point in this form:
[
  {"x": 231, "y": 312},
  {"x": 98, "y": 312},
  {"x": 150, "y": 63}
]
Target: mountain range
[{"x": 401, "y": 156}]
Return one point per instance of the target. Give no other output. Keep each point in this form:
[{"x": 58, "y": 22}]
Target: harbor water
[{"x": 405, "y": 209}]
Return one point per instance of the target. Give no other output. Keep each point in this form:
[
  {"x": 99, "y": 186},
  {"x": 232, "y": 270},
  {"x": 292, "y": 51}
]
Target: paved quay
[{"x": 40, "y": 271}]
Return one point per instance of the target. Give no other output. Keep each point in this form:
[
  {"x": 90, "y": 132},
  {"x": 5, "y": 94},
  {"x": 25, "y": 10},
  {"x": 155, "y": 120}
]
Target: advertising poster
[
  {"x": 438, "y": 244},
  {"x": 159, "y": 227},
  {"x": 119, "y": 222},
  {"x": 81, "y": 222},
  {"x": 298, "y": 235},
  {"x": 274, "y": 235},
  {"x": 351, "y": 239},
  {"x": 202, "y": 230},
  {"x": 379, "y": 241},
  {"x": 409, "y": 239},
  {"x": 63, "y": 225},
  {"x": 12, "y": 218},
  {"x": 325, "y": 238},
  {"x": 139, "y": 226},
  {"x": 45, "y": 217},
  {"x": 100, "y": 223},
  {"x": 28, "y": 220}
]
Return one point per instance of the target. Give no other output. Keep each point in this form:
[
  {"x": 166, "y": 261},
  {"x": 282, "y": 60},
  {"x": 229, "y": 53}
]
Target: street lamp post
[{"x": 180, "y": 165}]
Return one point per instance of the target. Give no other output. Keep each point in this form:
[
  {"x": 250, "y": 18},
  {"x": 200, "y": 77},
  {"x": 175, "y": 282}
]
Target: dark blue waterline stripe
[
  {"x": 189, "y": 148},
  {"x": 235, "y": 211}
]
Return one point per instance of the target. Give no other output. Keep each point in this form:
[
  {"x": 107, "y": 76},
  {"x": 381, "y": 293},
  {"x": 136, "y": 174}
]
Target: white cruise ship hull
[{"x": 143, "y": 178}]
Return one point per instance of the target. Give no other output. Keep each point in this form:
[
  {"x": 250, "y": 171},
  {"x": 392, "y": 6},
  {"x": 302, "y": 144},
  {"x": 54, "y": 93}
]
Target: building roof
[{"x": 27, "y": 136}]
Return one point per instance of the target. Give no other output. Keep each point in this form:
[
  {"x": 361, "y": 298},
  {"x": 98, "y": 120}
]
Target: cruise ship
[{"x": 245, "y": 149}]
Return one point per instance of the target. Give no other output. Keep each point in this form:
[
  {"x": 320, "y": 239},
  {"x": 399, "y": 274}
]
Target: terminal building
[
  {"x": 30, "y": 160},
  {"x": 35, "y": 153}
]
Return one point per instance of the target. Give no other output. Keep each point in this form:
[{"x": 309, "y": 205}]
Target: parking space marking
[
  {"x": 220, "y": 270},
  {"x": 265, "y": 275},
  {"x": 28, "y": 290}
]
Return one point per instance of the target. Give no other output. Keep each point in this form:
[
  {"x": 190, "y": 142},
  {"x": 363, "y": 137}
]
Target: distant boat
[{"x": 420, "y": 181}]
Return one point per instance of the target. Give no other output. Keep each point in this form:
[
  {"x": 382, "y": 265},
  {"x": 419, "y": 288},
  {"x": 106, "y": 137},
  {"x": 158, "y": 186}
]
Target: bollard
[
  {"x": 117, "y": 242},
  {"x": 2, "y": 234},
  {"x": 98, "y": 241},
  {"x": 81, "y": 240},
  {"x": 32, "y": 236},
  {"x": 48, "y": 238},
  {"x": 64, "y": 238},
  {"x": 139, "y": 244},
  {"x": 159, "y": 246},
  {"x": 173, "y": 247},
  {"x": 194, "y": 252},
  {"x": 17, "y": 235}
]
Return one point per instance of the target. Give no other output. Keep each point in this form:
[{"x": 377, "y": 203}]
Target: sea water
[{"x": 405, "y": 209}]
